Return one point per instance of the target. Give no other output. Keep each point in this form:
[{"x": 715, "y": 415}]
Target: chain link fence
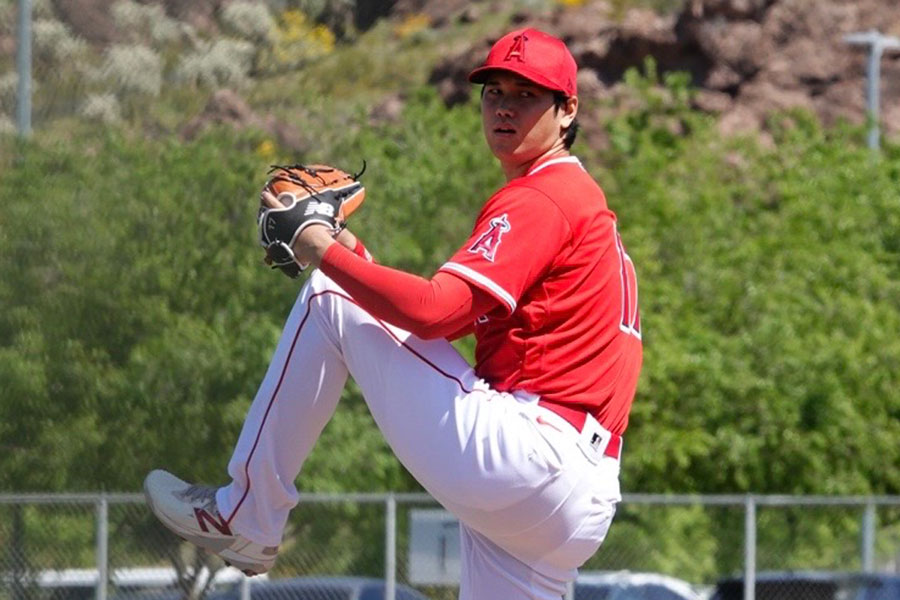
[{"x": 106, "y": 547}]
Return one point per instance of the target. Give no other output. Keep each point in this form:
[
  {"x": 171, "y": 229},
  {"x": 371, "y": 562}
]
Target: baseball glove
[{"x": 310, "y": 194}]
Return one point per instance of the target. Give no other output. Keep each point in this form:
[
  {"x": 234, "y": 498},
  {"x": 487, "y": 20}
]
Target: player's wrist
[
  {"x": 347, "y": 239},
  {"x": 312, "y": 243}
]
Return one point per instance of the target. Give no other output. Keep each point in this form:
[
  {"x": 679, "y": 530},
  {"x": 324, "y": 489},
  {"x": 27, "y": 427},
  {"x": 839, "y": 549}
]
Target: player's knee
[
  {"x": 317, "y": 280},
  {"x": 324, "y": 295},
  {"x": 320, "y": 282}
]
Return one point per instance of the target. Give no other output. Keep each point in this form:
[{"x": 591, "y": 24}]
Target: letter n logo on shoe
[{"x": 218, "y": 523}]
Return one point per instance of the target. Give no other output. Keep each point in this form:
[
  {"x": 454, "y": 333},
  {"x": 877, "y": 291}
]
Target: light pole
[
  {"x": 23, "y": 66},
  {"x": 877, "y": 44}
]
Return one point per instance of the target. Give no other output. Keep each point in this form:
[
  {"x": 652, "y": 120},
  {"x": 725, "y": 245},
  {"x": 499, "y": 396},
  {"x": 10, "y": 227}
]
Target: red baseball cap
[{"x": 536, "y": 56}]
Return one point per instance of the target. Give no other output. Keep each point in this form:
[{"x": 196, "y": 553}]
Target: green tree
[{"x": 769, "y": 289}]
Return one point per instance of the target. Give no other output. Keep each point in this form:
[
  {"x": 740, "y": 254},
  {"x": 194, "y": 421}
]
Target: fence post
[
  {"x": 19, "y": 564},
  {"x": 23, "y": 67},
  {"x": 750, "y": 548},
  {"x": 102, "y": 546},
  {"x": 390, "y": 548},
  {"x": 868, "y": 538}
]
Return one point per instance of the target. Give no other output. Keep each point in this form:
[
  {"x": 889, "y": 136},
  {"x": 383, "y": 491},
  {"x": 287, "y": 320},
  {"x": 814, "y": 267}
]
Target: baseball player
[{"x": 524, "y": 447}]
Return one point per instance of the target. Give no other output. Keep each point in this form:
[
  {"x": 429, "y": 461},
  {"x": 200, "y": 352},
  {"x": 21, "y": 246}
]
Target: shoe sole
[{"x": 220, "y": 548}]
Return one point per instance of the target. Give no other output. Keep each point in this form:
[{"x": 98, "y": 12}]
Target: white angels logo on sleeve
[{"x": 488, "y": 242}]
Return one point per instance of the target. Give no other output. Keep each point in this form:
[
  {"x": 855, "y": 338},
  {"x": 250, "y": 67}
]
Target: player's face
[{"x": 520, "y": 121}]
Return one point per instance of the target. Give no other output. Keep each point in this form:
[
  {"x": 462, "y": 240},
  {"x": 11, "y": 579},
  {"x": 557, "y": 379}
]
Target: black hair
[{"x": 559, "y": 101}]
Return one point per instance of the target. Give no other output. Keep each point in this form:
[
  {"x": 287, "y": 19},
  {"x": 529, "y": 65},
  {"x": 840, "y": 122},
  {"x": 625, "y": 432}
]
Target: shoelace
[{"x": 202, "y": 493}]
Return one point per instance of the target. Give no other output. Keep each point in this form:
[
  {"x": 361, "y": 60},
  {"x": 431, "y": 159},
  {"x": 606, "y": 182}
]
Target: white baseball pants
[{"x": 532, "y": 505}]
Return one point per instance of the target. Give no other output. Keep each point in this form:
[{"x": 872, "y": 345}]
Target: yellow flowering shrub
[
  {"x": 298, "y": 39},
  {"x": 411, "y": 25},
  {"x": 266, "y": 150}
]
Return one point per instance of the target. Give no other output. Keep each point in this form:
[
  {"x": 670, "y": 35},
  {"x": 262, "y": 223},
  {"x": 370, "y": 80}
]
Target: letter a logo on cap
[{"x": 517, "y": 50}]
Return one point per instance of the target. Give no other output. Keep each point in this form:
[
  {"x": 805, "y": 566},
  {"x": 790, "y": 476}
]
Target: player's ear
[{"x": 569, "y": 111}]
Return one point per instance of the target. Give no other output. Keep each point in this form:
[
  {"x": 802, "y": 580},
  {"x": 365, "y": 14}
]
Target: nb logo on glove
[
  {"x": 318, "y": 208},
  {"x": 309, "y": 194}
]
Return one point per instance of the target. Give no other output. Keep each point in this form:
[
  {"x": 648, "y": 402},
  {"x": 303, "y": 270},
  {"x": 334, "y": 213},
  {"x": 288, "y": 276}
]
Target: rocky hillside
[{"x": 746, "y": 57}]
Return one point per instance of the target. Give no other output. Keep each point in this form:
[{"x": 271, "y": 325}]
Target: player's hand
[{"x": 310, "y": 245}]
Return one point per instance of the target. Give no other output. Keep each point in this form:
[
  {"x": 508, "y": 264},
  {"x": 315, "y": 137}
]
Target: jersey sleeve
[
  {"x": 517, "y": 237},
  {"x": 429, "y": 308}
]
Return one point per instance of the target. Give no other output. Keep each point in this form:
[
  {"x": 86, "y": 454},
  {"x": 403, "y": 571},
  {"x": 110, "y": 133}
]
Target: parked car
[
  {"x": 625, "y": 585},
  {"x": 812, "y": 585},
  {"x": 125, "y": 583},
  {"x": 319, "y": 588}
]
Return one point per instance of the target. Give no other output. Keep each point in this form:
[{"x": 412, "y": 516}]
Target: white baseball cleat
[{"x": 191, "y": 512}]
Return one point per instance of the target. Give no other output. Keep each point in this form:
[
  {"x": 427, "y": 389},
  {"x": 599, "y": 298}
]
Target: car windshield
[
  {"x": 592, "y": 592},
  {"x": 795, "y": 589},
  {"x": 307, "y": 592},
  {"x": 808, "y": 588}
]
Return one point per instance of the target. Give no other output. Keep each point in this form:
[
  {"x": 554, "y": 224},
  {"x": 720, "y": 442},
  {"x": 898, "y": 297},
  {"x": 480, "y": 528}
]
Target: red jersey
[{"x": 568, "y": 328}]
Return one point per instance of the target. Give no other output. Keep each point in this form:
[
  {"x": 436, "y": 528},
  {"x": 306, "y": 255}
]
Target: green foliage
[
  {"x": 768, "y": 276},
  {"x": 660, "y": 114},
  {"x": 334, "y": 538},
  {"x": 137, "y": 320},
  {"x": 122, "y": 329},
  {"x": 769, "y": 291},
  {"x": 137, "y": 312},
  {"x": 690, "y": 547},
  {"x": 809, "y": 537},
  {"x": 97, "y": 291},
  {"x": 433, "y": 168}
]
